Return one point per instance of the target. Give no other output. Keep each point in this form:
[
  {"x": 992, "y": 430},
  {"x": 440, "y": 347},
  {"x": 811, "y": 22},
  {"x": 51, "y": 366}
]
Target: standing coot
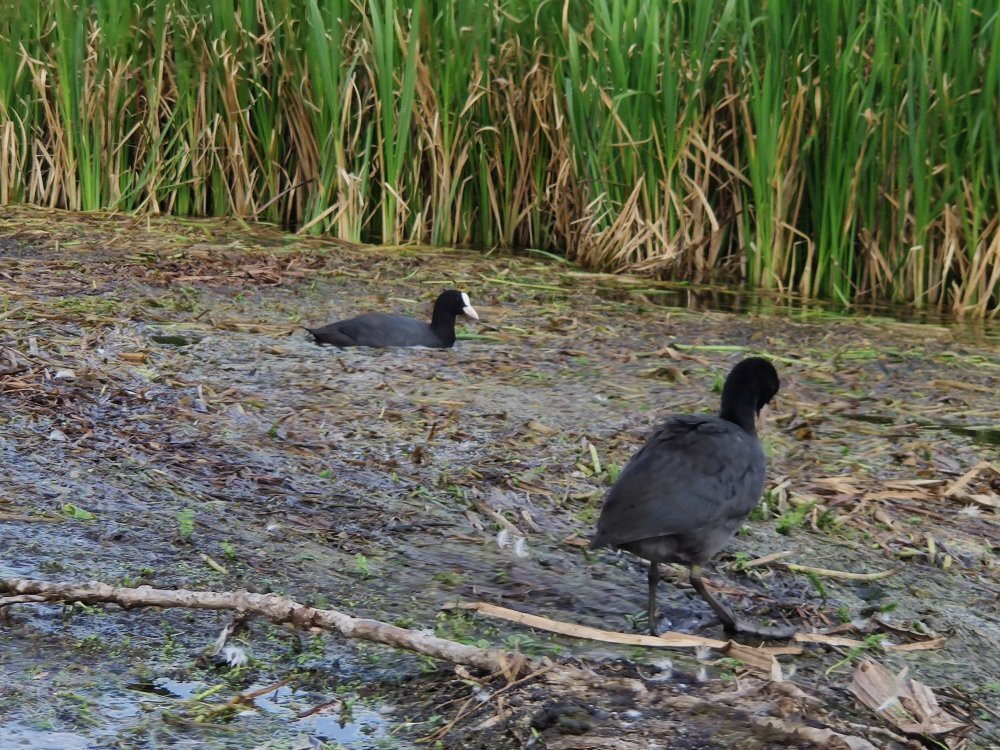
[
  {"x": 383, "y": 329},
  {"x": 688, "y": 489}
]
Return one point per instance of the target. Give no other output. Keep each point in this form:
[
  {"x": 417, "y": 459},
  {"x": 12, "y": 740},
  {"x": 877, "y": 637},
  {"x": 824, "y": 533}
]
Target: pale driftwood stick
[{"x": 271, "y": 606}]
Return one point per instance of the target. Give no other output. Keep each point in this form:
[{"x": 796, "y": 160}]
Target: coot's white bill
[{"x": 468, "y": 309}]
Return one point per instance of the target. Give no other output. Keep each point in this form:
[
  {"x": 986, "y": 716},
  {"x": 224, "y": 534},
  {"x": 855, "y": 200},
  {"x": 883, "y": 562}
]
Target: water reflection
[{"x": 742, "y": 301}]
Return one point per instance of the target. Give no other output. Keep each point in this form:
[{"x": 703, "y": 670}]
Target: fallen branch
[
  {"x": 276, "y": 608},
  {"x": 512, "y": 666}
]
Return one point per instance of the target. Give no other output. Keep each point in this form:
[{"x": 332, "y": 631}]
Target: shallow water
[{"x": 739, "y": 301}]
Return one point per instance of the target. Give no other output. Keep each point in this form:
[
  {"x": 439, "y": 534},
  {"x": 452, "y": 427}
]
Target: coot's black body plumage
[
  {"x": 685, "y": 493},
  {"x": 386, "y": 330},
  {"x": 688, "y": 489}
]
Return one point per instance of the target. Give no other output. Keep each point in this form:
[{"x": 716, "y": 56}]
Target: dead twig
[{"x": 274, "y": 607}]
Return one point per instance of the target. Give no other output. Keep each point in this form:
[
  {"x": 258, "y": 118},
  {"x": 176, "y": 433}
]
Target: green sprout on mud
[
  {"x": 765, "y": 508},
  {"x": 90, "y": 642},
  {"x": 827, "y": 521},
  {"x": 732, "y": 668},
  {"x": 169, "y": 644},
  {"x": 793, "y": 518},
  {"x": 362, "y": 566},
  {"x": 185, "y": 523},
  {"x": 612, "y": 472},
  {"x": 448, "y": 578},
  {"x": 740, "y": 559},
  {"x": 346, "y": 712},
  {"x": 317, "y": 646},
  {"x": 455, "y": 625},
  {"x": 89, "y": 305},
  {"x": 77, "y": 513},
  {"x": 636, "y": 621},
  {"x": 229, "y": 549},
  {"x": 53, "y": 566},
  {"x": 528, "y": 645},
  {"x": 818, "y": 585},
  {"x": 185, "y": 299},
  {"x": 871, "y": 642},
  {"x": 428, "y": 664}
]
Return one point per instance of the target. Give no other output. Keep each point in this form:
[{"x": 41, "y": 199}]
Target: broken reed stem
[
  {"x": 665, "y": 640},
  {"x": 766, "y": 559},
  {"x": 841, "y": 574},
  {"x": 279, "y": 609}
]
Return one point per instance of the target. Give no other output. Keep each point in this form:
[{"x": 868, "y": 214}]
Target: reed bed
[{"x": 845, "y": 150}]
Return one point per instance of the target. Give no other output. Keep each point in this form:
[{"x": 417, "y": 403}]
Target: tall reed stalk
[{"x": 847, "y": 150}]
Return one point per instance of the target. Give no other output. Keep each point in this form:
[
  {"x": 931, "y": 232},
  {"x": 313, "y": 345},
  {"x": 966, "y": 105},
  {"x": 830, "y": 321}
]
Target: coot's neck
[
  {"x": 741, "y": 410},
  {"x": 443, "y": 325}
]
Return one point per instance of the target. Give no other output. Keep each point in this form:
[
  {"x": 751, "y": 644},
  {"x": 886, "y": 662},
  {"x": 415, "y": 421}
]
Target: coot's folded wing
[
  {"x": 692, "y": 472},
  {"x": 384, "y": 329}
]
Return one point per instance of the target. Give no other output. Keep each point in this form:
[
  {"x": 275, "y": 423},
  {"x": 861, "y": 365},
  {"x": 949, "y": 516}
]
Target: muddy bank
[{"x": 160, "y": 411}]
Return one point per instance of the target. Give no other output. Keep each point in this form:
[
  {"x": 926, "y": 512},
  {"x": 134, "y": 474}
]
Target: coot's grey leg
[
  {"x": 654, "y": 578},
  {"x": 720, "y": 609},
  {"x": 729, "y": 621}
]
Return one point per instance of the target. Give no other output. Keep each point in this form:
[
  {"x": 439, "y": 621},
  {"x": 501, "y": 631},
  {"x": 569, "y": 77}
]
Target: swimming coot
[
  {"x": 688, "y": 489},
  {"x": 383, "y": 329}
]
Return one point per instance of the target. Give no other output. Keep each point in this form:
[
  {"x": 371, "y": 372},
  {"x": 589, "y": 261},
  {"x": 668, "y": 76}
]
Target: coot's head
[
  {"x": 455, "y": 303},
  {"x": 748, "y": 388}
]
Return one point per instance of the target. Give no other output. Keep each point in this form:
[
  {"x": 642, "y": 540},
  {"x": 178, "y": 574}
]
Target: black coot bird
[
  {"x": 384, "y": 329},
  {"x": 688, "y": 489}
]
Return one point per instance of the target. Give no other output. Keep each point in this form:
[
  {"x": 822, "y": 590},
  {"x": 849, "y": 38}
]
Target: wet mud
[{"x": 161, "y": 410}]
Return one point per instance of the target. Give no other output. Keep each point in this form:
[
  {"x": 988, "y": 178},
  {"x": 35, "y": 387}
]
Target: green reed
[{"x": 844, "y": 150}]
